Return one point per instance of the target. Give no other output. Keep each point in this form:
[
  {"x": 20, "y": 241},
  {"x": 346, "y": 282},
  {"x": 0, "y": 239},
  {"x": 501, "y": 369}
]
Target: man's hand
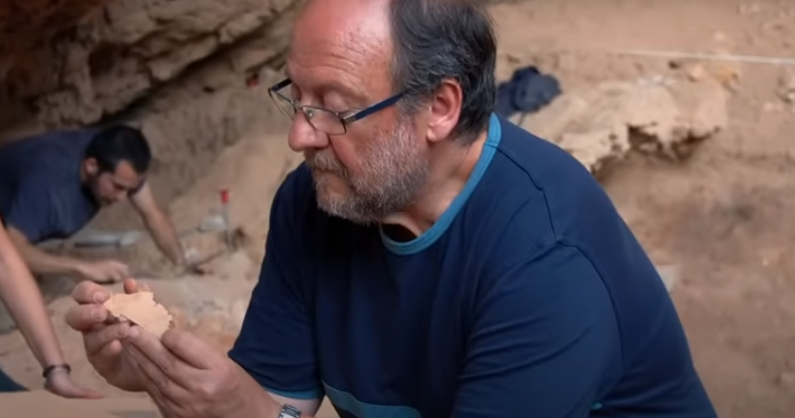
[
  {"x": 102, "y": 341},
  {"x": 188, "y": 379},
  {"x": 107, "y": 271},
  {"x": 61, "y": 384}
]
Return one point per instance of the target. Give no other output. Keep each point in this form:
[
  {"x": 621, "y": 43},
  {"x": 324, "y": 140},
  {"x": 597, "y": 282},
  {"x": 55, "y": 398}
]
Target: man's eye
[
  {"x": 337, "y": 106},
  {"x": 295, "y": 94}
]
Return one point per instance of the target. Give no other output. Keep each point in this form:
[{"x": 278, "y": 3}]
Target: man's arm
[
  {"x": 38, "y": 260},
  {"x": 159, "y": 225},
  {"x": 544, "y": 338},
  {"x": 21, "y": 295}
]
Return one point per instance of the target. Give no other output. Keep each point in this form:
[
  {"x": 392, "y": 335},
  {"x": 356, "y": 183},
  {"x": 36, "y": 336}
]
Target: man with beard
[
  {"x": 429, "y": 259},
  {"x": 53, "y": 184}
]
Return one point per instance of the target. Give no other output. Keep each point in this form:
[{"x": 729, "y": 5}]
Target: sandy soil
[{"x": 723, "y": 216}]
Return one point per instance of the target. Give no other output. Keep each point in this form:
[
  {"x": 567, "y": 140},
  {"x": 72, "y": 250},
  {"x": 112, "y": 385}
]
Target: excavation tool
[
  {"x": 96, "y": 238},
  {"x": 219, "y": 222}
]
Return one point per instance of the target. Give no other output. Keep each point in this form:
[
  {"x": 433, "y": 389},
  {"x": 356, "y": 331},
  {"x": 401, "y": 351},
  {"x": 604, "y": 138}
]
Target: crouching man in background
[{"x": 53, "y": 184}]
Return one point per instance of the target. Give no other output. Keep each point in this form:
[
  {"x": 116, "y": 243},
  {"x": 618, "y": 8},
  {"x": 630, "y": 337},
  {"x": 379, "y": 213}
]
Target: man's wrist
[
  {"x": 77, "y": 267},
  {"x": 270, "y": 408},
  {"x": 263, "y": 405}
]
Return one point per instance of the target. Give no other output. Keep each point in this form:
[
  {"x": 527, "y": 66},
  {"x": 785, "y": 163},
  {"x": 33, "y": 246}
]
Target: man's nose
[{"x": 303, "y": 136}]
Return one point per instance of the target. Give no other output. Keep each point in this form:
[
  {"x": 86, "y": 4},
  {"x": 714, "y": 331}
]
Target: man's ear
[
  {"x": 91, "y": 166},
  {"x": 445, "y": 110}
]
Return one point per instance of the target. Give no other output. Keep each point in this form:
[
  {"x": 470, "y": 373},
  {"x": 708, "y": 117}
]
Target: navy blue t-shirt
[
  {"x": 40, "y": 187},
  {"x": 528, "y": 297}
]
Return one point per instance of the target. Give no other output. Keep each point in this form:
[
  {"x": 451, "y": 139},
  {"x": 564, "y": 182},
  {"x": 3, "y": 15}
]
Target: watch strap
[{"x": 289, "y": 411}]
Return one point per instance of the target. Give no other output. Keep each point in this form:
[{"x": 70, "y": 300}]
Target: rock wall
[
  {"x": 75, "y": 62},
  {"x": 175, "y": 68},
  {"x": 121, "y": 52}
]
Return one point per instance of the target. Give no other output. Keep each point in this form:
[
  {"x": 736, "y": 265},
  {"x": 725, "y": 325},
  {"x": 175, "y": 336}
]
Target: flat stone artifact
[{"x": 140, "y": 309}]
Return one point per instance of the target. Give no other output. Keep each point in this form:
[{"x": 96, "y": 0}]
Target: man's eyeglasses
[{"x": 325, "y": 120}]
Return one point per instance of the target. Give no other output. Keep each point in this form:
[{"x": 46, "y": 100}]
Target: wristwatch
[{"x": 289, "y": 411}]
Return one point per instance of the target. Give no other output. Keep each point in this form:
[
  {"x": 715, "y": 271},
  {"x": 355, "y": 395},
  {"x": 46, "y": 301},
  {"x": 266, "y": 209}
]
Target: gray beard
[{"x": 393, "y": 175}]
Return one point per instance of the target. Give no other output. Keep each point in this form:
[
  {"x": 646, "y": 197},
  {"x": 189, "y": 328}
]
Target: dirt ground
[{"x": 724, "y": 216}]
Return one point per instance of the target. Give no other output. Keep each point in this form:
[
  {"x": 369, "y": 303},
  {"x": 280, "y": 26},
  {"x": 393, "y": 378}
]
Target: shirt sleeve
[
  {"x": 31, "y": 212},
  {"x": 276, "y": 343},
  {"x": 544, "y": 336}
]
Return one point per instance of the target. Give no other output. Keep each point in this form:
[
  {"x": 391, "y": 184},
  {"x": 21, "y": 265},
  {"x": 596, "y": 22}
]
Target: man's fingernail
[
  {"x": 100, "y": 297},
  {"x": 98, "y": 314},
  {"x": 134, "y": 332}
]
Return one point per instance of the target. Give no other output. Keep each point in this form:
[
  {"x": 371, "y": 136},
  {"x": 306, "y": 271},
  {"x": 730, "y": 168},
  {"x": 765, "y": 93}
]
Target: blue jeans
[{"x": 7, "y": 384}]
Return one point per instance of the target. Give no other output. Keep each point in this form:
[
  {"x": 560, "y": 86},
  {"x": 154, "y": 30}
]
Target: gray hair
[{"x": 436, "y": 40}]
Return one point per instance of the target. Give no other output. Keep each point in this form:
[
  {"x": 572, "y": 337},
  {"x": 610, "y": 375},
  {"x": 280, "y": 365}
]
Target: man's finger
[
  {"x": 189, "y": 349},
  {"x": 153, "y": 379},
  {"x": 132, "y": 286},
  {"x": 157, "y": 381},
  {"x": 157, "y": 354},
  {"x": 154, "y": 375},
  {"x": 97, "y": 340},
  {"x": 85, "y": 317},
  {"x": 108, "y": 354},
  {"x": 166, "y": 407},
  {"x": 90, "y": 292}
]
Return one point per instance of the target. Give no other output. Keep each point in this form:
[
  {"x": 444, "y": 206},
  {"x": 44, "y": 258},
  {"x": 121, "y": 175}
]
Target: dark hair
[
  {"x": 436, "y": 40},
  {"x": 116, "y": 143}
]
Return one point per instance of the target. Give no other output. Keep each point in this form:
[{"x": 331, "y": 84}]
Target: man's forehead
[
  {"x": 349, "y": 29},
  {"x": 126, "y": 175},
  {"x": 341, "y": 46},
  {"x": 330, "y": 62},
  {"x": 322, "y": 14}
]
